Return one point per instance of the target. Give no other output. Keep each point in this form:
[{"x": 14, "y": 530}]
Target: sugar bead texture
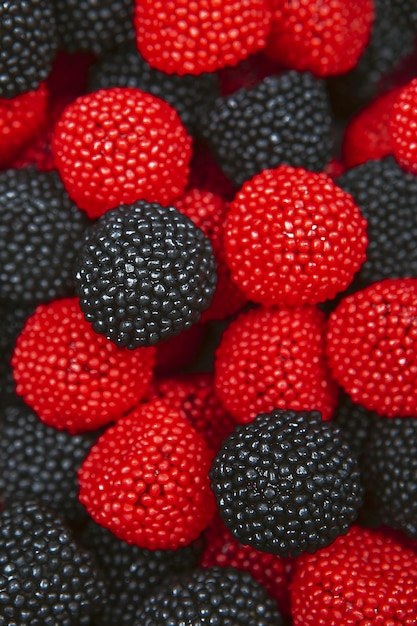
[
  {"x": 125, "y": 67},
  {"x": 93, "y": 25},
  {"x": 274, "y": 358},
  {"x": 118, "y": 145},
  {"x": 221, "y": 596},
  {"x": 73, "y": 378},
  {"x": 132, "y": 573},
  {"x": 144, "y": 274},
  {"x": 286, "y": 483},
  {"x": 47, "y": 577},
  {"x": 282, "y": 119},
  {"x": 325, "y": 38},
  {"x": 146, "y": 479},
  {"x": 371, "y": 347},
  {"x": 293, "y": 237},
  {"x": 387, "y": 196},
  {"x": 41, "y": 232},
  {"x": 365, "y": 577},
  {"x": 389, "y": 470},
  {"x": 402, "y": 126},
  {"x": 200, "y": 36},
  {"x": 39, "y": 461},
  {"x": 356, "y": 424},
  {"x": 28, "y": 45}
]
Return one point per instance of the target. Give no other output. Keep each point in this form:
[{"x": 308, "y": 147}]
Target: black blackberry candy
[
  {"x": 145, "y": 273},
  {"x": 39, "y": 461},
  {"x": 125, "y": 67},
  {"x": 220, "y": 596},
  {"x": 355, "y": 423},
  {"x": 389, "y": 469},
  {"x": 387, "y": 197},
  {"x": 28, "y": 45},
  {"x": 132, "y": 573},
  {"x": 94, "y": 25},
  {"x": 41, "y": 231},
  {"x": 286, "y": 483},
  {"x": 282, "y": 119},
  {"x": 46, "y": 578}
]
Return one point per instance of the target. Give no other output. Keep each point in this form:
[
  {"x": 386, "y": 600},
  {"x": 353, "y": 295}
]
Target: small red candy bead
[
  {"x": 367, "y": 134},
  {"x": 274, "y": 359},
  {"x": 21, "y": 119},
  {"x": 363, "y": 578},
  {"x": 372, "y": 347},
  {"x": 208, "y": 212},
  {"x": 183, "y": 37},
  {"x": 146, "y": 479},
  {"x": 325, "y": 38},
  {"x": 273, "y": 572},
  {"x": 118, "y": 145},
  {"x": 403, "y": 127},
  {"x": 73, "y": 378},
  {"x": 293, "y": 237}
]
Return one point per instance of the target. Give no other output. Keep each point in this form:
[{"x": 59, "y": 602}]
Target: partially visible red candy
[
  {"x": 403, "y": 127},
  {"x": 21, "y": 119},
  {"x": 325, "y": 37},
  {"x": 372, "y": 347},
  {"x": 367, "y": 134},
  {"x": 246, "y": 74},
  {"x": 273, "y": 572},
  {"x": 73, "y": 378},
  {"x": 179, "y": 351},
  {"x": 205, "y": 173},
  {"x": 182, "y": 37},
  {"x": 118, "y": 145},
  {"x": 274, "y": 359},
  {"x": 364, "y": 577},
  {"x": 146, "y": 479}
]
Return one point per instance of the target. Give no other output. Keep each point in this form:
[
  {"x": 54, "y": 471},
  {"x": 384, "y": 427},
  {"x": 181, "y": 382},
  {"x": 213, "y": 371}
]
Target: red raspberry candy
[
  {"x": 273, "y": 572},
  {"x": 372, "y": 347},
  {"x": 21, "y": 118},
  {"x": 367, "y": 135},
  {"x": 325, "y": 37},
  {"x": 403, "y": 127},
  {"x": 208, "y": 212},
  {"x": 363, "y": 578},
  {"x": 146, "y": 479},
  {"x": 193, "y": 395},
  {"x": 183, "y": 37},
  {"x": 293, "y": 237},
  {"x": 73, "y": 378},
  {"x": 274, "y": 359},
  {"x": 119, "y": 145}
]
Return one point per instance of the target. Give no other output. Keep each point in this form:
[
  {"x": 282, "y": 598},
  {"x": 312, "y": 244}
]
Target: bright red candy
[
  {"x": 147, "y": 481},
  {"x": 274, "y": 359},
  {"x": 273, "y": 572},
  {"x": 73, "y": 378},
  {"x": 184, "y": 37},
  {"x": 372, "y": 347},
  {"x": 194, "y": 396},
  {"x": 403, "y": 127},
  {"x": 21, "y": 118},
  {"x": 208, "y": 212},
  {"x": 363, "y": 578},
  {"x": 119, "y": 145},
  {"x": 293, "y": 237},
  {"x": 325, "y": 37},
  {"x": 367, "y": 134}
]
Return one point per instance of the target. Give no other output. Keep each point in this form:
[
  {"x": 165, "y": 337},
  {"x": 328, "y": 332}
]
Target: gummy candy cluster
[{"x": 208, "y": 312}]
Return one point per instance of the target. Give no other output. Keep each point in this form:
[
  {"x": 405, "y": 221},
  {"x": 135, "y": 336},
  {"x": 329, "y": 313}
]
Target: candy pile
[{"x": 208, "y": 301}]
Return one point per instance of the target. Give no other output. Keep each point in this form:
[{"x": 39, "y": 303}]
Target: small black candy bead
[
  {"x": 286, "y": 483},
  {"x": 27, "y": 46},
  {"x": 145, "y": 273},
  {"x": 283, "y": 119},
  {"x": 41, "y": 232},
  {"x": 215, "y": 596}
]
